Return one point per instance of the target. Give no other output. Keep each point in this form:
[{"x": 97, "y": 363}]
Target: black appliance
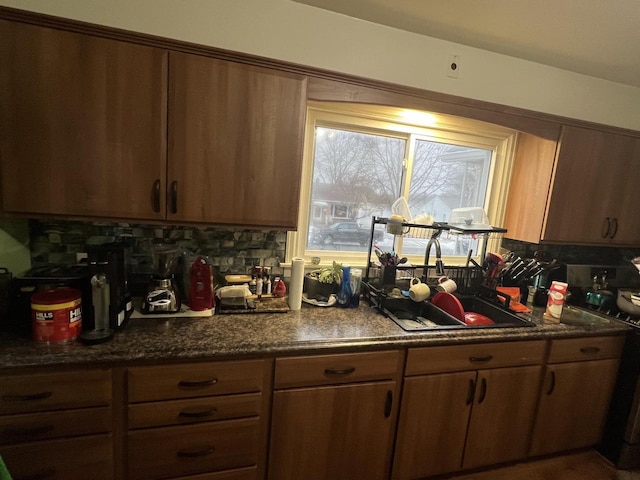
[
  {"x": 41, "y": 278},
  {"x": 621, "y": 438},
  {"x": 110, "y": 262}
]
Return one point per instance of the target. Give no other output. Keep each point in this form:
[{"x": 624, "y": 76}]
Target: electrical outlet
[
  {"x": 453, "y": 68},
  {"x": 80, "y": 257}
]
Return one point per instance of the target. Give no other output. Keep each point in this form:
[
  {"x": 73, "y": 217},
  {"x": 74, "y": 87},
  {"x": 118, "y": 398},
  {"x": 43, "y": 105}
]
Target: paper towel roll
[{"x": 295, "y": 285}]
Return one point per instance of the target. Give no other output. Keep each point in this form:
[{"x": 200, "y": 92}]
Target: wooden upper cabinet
[
  {"x": 582, "y": 192},
  {"x": 595, "y": 193},
  {"x": 235, "y": 142},
  {"x": 82, "y": 124}
]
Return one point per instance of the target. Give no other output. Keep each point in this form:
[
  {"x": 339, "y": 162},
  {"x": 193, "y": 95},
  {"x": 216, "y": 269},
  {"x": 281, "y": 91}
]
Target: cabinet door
[
  {"x": 573, "y": 406},
  {"x": 593, "y": 188},
  {"x": 82, "y": 124},
  {"x": 433, "y": 424},
  {"x": 235, "y": 142},
  {"x": 338, "y": 433},
  {"x": 67, "y": 459},
  {"x": 502, "y": 415}
]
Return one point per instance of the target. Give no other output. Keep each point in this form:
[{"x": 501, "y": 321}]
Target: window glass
[
  {"x": 361, "y": 159},
  {"x": 355, "y": 176},
  {"x": 445, "y": 176}
]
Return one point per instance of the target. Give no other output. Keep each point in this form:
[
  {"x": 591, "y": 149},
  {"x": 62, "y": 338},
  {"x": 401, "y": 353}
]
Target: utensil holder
[{"x": 388, "y": 276}]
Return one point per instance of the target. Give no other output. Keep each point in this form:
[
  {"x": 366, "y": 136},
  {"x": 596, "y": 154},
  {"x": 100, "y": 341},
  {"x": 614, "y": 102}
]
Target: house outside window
[{"x": 360, "y": 160}]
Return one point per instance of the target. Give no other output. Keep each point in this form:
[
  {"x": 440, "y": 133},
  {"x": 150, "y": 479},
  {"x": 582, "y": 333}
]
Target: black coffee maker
[{"x": 108, "y": 263}]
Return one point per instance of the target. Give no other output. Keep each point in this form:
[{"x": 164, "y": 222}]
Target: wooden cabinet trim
[
  {"x": 475, "y": 356},
  {"x": 336, "y": 369}
]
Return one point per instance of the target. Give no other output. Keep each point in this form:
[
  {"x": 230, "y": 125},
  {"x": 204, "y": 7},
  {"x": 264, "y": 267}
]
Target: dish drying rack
[{"x": 468, "y": 278}]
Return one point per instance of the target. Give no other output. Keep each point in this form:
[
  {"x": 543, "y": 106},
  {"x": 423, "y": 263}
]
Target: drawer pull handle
[
  {"x": 174, "y": 197},
  {"x": 552, "y": 382},
  {"x": 26, "y": 398},
  {"x": 604, "y": 232},
  {"x": 483, "y": 391},
  {"x": 590, "y": 350},
  {"x": 471, "y": 392},
  {"x": 197, "y": 384},
  {"x": 195, "y": 452},
  {"x": 339, "y": 371},
  {"x": 388, "y": 404},
  {"x": 155, "y": 196},
  {"x": 614, "y": 220},
  {"x": 488, "y": 358},
  {"x": 201, "y": 413},
  {"x": 13, "y": 432}
]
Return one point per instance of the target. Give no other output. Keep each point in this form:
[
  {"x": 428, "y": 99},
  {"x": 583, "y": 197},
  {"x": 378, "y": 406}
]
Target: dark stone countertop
[{"x": 312, "y": 329}]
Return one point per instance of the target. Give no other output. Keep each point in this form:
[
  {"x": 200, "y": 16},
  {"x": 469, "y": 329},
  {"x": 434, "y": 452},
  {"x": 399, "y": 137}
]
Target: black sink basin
[
  {"x": 503, "y": 318},
  {"x": 424, "y": 316}
]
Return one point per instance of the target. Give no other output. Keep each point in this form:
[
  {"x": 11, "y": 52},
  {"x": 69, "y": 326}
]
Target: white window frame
[{"x": 392, "y": 121}]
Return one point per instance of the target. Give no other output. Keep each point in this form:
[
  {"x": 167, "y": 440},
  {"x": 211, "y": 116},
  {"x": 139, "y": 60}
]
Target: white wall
[{"x": 307, "y": 35}]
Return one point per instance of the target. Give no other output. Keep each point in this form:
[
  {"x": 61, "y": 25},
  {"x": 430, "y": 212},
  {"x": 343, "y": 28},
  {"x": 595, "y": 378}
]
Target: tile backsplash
[
  {"x": 229, "y": 250},
  {"x": 573, "y": 254}
]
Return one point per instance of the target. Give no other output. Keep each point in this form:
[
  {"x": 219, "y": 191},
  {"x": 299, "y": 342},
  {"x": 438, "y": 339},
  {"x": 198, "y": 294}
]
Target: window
[{"x": 361, "y": 159}]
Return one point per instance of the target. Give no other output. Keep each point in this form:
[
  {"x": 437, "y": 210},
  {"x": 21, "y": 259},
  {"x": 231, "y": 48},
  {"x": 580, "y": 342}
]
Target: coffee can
[{"x": 56, "y": 315}]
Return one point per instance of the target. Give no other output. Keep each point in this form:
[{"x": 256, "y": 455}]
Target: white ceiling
[{"x": 600, "y": 38}]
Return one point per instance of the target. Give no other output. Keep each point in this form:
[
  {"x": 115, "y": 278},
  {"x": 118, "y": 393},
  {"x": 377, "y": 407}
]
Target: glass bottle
[{"x": 345, "y": 292}]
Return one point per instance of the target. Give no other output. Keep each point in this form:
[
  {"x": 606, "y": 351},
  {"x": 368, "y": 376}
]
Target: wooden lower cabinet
[
  {"x": 335, "y": 432},
  {"x": 186, "y": 450},
  {"x": 199, "y": 421},
  {"x": 57, "y": 425},
  {"x": 466, "y": 406},
  {"x": 573, "y": 405},
  {"x": 334, "y": 416},
  {"x": 433, "y": 424},
  {"x": 464, "y": 420},
  {"x": 574, "y": 399},
  {"x": 502, "y": 416},
  {"x": 76, "y": 458}
]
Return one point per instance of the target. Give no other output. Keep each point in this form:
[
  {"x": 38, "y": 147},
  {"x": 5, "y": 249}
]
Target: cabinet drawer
[
  {"x": 331, "y": 369},
  {"x": 194, "y": 380},
  {"x": 187, "y": 450},
  {"x": 586, "y": 348},
  {"x": 194, "y": 410},
  {"x": 74, "y": 459},
  {"x": 54, "y": 391},
  {"x": 457, "y": 358},
  {"x": 65, "y": 423},
  {"x": 249, "y": 473}
]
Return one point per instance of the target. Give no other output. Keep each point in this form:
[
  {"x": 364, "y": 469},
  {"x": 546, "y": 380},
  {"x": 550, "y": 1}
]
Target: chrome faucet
[{"x": 434, "y": 241}]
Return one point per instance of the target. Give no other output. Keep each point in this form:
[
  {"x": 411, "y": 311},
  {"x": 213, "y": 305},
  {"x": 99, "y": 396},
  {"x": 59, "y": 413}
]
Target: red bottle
[
  {"x": 201, "y": 290},
  {"x": 279, "y": 288}
]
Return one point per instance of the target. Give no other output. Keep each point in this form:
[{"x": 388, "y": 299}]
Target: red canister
[{"x": 56, "y": 314}]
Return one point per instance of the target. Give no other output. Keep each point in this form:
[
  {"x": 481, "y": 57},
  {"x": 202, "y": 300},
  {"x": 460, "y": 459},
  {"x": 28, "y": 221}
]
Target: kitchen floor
[{"x": 587, "y": 465}]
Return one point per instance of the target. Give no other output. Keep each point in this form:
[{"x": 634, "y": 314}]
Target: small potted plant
[{"x": 320, "y": 284}]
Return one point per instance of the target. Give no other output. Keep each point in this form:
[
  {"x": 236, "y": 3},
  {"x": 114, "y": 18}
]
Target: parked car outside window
[{"x": 345, "y": 232}]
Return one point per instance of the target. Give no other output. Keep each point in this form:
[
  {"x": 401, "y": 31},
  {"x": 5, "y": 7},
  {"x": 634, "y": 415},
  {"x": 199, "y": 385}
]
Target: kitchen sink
[
  {"x": 502, "y": 317},
  {"x": 425, "y": 316}
]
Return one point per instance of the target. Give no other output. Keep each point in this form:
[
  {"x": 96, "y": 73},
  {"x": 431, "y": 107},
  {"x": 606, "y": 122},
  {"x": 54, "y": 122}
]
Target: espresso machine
[{"x": 162, "y": 295}]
